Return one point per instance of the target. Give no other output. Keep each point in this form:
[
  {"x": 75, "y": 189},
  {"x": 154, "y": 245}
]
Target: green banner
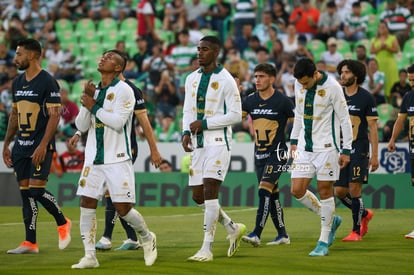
[{"x": 239, "y": 189}]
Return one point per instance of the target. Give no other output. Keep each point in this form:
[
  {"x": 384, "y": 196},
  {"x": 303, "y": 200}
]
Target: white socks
[
  {"x": 88, "y": 228},
  {"x": 311, "y": 202},
  {"x": 211, "y": 215},
  {"x": 223, "y": 219},
  {"x": 327, "y": 214},
  {"x": 135, "y": 219}
]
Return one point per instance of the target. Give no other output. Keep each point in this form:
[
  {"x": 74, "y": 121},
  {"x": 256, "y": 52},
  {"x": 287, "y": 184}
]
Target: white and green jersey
[
  {"x": 182, "y": 55},
  {"x": 215, "y": 99},
  {"x": 108, "y": 124},
  {"x": 321, "y": 114}
]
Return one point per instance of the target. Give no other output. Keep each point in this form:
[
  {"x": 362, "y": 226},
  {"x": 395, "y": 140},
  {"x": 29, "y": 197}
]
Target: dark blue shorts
[
  {"x": 25, "y": 169},
  {"x": 356, "y": 171}
]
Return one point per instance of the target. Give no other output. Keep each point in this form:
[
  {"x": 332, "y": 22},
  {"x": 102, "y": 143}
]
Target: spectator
[
  {"x": 344, "y": 7},
  {"x": 218, "y": 12},
  {"x": 70, "y": 70},
  {"x": 279, "y": 15},
  {"x": 37, "y": 17},
  {"x": 328, "y": 23},
  {"x": 249, "y": 54},
  {"x": 15, "y": 31},
  {"x": 237, "y": 67},
  {"x": 398, "y": 20},
  {"x": 228, "y": 45},
  {"x": 15, "y": 8},
  {"x": 55, "y": 56},
  {"x": 196, "y": 14},
  {"x": 165, "y": 166},
  {"x": 68, "y": 115},
  {"x": 72, "y": 159},
  {"x": 146, "y": 21},
  {"x": 305, "y": 17},
  {"x": 376, "y": 80},
  {"x": 244, "y": 14},
  {"x": 134, "y": 65},
  {"x": 242, "y": 42},
  {"x": 262, "y": 30},
  {"x": 290, "y": 40},
  {"x": 399, "y": 88},
  {"x": 384, "y": 45},
  {"x": 331, "y": 57},
  {"x": 355, "y": 25},
  {"x": 97, "y": 9},
  {"x": 47, "y": 35},
  {"x": 175, "y": 16},
  {"x": 6, "y": 59},
  {"x": 123, "y": 9},
  {"x": 361, "y": 55},
  {"x": 155, "y": 64},
  {"x": 182, "y": 55},
  {"x": 6, "y": 87},
  {"x": 166, "y": 96},
  {"x": 302, "y": 51},
  {"x": 277, "y": 54}
]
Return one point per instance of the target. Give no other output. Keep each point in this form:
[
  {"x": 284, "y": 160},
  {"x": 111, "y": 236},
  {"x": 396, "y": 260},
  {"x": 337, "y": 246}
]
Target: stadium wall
[{"x": 240, "y": 189}]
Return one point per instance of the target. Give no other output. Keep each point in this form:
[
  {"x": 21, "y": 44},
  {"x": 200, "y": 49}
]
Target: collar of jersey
[
  {"x": 113, "y": 83},
  {"x": 215, "y": 71}
]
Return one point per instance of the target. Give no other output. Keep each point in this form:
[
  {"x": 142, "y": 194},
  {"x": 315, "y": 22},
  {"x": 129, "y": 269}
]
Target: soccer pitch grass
[{"x": 179, "y": 234}]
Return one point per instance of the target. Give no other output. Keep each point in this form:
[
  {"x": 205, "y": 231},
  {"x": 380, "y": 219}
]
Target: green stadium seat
[
  {"x": 403, "y": 59},
  {"x": 373, "y": 21},
  {"x": 105, "y": 25},
  {"x": 316, "y": 47},
  {"x": 63, "y": 24},
  {"x": 385, "y": 112},
  {"x": 67, "y": 36},
  {"x": 367, "y": 8},
  {"x": 64, "y": 84},
  {"x": 128, "y": 26},
  {"x": 343, "y": 47}
]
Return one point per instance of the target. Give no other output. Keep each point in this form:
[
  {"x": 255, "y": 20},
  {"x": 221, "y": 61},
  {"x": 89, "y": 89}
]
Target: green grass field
[{"x": 179, "y": 233}]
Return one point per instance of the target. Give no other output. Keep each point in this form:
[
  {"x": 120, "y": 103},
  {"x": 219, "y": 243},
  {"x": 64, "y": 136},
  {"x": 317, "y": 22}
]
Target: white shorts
[
  {"x": 117, "y": 178},
  {"x": 324, "y": 164},
  {"x": 209, "y": 162}
]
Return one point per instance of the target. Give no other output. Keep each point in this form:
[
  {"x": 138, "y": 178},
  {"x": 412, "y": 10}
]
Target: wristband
[{"x": 78, "y": 133}]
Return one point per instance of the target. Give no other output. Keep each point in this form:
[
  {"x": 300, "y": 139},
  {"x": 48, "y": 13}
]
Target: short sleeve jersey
[
  {"x": 362, "y": 108},
  {"x": 32, "y": 98},
  {"x": 269, "y": 121}
]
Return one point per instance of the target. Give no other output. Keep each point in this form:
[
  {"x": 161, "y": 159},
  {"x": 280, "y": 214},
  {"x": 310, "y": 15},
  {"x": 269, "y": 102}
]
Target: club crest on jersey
[
  {"x": 82, "y": 183},
  {"x": 194, "y": 84},
  {"x": 214, "y": 85},
  {"x": 110, "y": 97},
  {"x": 321, "y": 93}
]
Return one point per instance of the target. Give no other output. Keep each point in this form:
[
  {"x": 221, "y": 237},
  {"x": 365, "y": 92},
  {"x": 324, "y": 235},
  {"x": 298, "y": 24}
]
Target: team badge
[
  {"x": 193, "y": 94},
  {"x": 194, "y": 84},
  {"x": 214, "y": 85},
  {"x": 82, "y": 183},
  {"x": 300, "y": 100},
  {"x": 218, "y": 162},
  {"x": 321, "y": 93},
  {"x": 110, "y": 97},
  {"x": 191, "y": 172},
  {"x": 125, "y": 184}
]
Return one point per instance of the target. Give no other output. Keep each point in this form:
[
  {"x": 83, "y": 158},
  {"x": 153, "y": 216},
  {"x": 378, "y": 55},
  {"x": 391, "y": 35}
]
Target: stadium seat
[
  {"x": 77, "y": 90},
  {"x": 408, "y": 48},
  {"x": 317, "y": 47},
  {"x": 106, "y": 25},
  {"x": 85, "y": 30},
  {"x": 403, "y": 59},
  {"x": 67, "y": 36},
  {"x": 367, "y": 8},
  {"x": 373, "y": 21},
  {"x": 241, "y": 136},
  {"x": 343, "y": 47},
  {"x": 63, "y": 24},
  {"x": 365, "y": 42},
  {"x": 128, "y": 26},
  {"x": 64, "y": 84}
]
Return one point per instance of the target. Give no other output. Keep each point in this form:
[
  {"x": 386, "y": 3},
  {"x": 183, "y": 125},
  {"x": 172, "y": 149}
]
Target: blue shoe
[
  {"x": 335, "y": 224},
  {"x": 321, "y": 249},
  {"x": 252, "y": 239},
  {"x": 129, "y": 245},
  {"x": 281, "y": 239}
]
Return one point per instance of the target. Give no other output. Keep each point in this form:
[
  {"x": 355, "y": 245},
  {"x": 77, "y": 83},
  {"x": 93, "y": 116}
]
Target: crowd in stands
[{"x": 160, "y": 38}]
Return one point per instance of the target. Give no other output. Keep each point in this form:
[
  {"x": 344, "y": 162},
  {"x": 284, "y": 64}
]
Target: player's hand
[
  {"x": 343, "y": 160},
  {"x": 156, "y": 158},
  {"x": 87, "y": 101},
  {"x": 187, "y": 143},
  {"x": 74, "y": 140},
  {"x": 89, "y": 88},
  {"x": 7, "y": 157},
  {"x": 39, "y": 155},
  {"x": 391, "y": 146},
  {"x": 196, "y": 127},
  {"x": 373, "y": 163}
]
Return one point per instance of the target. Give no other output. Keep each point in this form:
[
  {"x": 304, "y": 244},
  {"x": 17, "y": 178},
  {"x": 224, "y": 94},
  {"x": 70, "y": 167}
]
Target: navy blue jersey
[
  {"x": 407, "y": 107},
  {"x": 362, "y": 108},
  {"x": 139, "y": 107},
  {"x": 269, "y": 122},
  {"x": 32, "y": 98}
]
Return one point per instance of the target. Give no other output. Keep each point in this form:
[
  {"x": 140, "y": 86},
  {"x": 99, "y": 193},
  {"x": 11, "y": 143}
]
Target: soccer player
[
  {"x": 363, "y": 113},
  {"x": 106, "y": 114},
  {"x": 33, "y": 120},
  {"x": 270, "y": 111},
  {"x": 320, "y": 113},
  {"x": 406, "y": 110},
  {"x": 212, "y": 104}
]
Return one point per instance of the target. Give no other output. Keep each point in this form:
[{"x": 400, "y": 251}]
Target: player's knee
[
  {"x": 37, "y": 192},
  {"x": 198, "y": 199},
  {"x": 297, "y": 192}
]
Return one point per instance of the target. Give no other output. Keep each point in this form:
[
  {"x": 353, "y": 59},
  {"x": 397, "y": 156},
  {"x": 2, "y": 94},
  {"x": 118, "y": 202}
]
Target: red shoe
[
  {"x": 64, "y": 234},
  {"x": 364, "y": 222},
  {"x": 353, "y": 237},
  {"x": 25, "y": 247}
]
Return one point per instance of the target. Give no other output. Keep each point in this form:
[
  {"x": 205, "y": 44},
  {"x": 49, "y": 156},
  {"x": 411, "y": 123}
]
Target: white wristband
[{"x": 78, "y": 133}]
